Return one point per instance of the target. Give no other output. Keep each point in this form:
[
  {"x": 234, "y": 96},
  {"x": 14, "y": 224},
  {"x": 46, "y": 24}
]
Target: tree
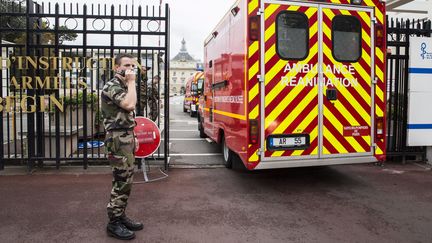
[{"x": 19, "y": 37}]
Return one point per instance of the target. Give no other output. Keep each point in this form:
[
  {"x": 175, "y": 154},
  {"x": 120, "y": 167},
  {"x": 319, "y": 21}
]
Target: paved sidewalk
[{"x": 354, "y": 203}]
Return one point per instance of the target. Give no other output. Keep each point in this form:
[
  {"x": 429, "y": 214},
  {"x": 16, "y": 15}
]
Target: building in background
[{"x": 182, "y": 66}]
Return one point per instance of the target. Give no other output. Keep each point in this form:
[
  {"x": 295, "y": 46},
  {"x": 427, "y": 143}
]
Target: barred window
[
  {"x": 292, "y": 34},
  {"x": 346, "y": 36}
]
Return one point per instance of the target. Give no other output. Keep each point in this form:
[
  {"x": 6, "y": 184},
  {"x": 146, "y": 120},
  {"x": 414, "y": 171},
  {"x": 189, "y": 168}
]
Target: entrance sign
[
  {"x": 420, "y": 92},
  {"x": 148, "y": 136}
]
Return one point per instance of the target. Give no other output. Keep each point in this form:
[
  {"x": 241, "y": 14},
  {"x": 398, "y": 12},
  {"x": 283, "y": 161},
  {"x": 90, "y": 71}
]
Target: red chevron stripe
[
  {"x": 313, "y": 144},
  {"x": 344, "y": 122},
  {"x": 338, "y": 135},
  {"x": 288, "y": 109},
  {"x": 328, "y": 22},
  {"x": 328, "y": 145},
  {"x": 297, "y": 121}
]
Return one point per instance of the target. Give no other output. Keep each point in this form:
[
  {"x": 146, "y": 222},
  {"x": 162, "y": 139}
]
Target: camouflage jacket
[
  {"x": 115, "y": 117},
  {"x": 149, "y": 92}
]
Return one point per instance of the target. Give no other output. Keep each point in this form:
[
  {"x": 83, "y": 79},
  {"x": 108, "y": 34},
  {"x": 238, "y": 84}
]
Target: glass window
[
  {"x": 292, "y": 33},
  {"x": 346, "y": 35},
  {"x": 194, "y": 89}
]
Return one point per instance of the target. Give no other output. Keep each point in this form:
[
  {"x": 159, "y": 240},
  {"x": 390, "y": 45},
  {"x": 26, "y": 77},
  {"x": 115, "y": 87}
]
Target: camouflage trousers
[
  {"x": 154, "y": 111},
  {"x": 120, "y": 148}
]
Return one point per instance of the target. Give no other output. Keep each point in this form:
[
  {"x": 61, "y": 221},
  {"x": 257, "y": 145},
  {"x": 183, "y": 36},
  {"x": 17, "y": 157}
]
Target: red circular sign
[{"x": 148, "y": 136}]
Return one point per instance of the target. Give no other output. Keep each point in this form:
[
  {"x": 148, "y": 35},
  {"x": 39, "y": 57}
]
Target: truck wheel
[
  {"x": 227, "y": 154},
  {"x": 192, "y": 113},
  {"x": 201, "y": 129}
]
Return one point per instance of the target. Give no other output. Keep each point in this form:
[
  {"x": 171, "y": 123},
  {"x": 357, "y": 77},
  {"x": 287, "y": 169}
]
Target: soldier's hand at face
[{"x": 130, "y": 76}]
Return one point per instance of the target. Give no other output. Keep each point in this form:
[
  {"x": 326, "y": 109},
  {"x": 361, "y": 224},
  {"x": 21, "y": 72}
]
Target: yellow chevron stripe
[
  {"x": 277, "y": 154},
  {"x": 253, "y": 70},
  {"x": 336, "y": 144},
  {"x": 253, "y": 48},
  {"x": 253, "y": 92},
  {"x": 252, "y": 6},
  {"x": 336, "y": 123},
  {"x": 293, "y": 114},
  {"x": 254, "y": 157},
  {"x": 365, "y": 75},
  {"x": 378, "y": 111},
  {"x": 288, "y": 99},
  {"x": 378, "y": 150},
  {"x": 269, "y": 32},
  {"x": 312, "y": 135},
  {"x": 325, "y": 151},
  {"x": 364, "y": 114},
  {"x": 270, "y": 53},
  {"x": 378, "y": 14},
  {"x": 329, "y": 13},
  {"x": 379, "y": 54},
  {"x": 307, "y": 121},
  {"x": 362, "y": 92},
  {"x": 254, "y": 113},
  {"x": 366, "y": 37},
  {"x": 269, "y": 11},
  {"x": 379, "y": 93},
  {"x": 281, "y": 64},
  {"x": 366, "y": 18},
  {"x": 379, "y": 73}
]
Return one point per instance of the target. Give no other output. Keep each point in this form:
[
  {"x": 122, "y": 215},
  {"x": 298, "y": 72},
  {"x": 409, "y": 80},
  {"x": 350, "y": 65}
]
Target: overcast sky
[{"x": 192, "y": 20}]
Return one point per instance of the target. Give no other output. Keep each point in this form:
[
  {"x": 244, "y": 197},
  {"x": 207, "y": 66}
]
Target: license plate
[
  {"x": 193, "y": 107},
  {"x": 288, "y": 142}
]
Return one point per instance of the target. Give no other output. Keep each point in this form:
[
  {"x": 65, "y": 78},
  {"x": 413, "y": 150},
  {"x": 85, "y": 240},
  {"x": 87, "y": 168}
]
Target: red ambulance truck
[
  {"x": 296, "y": 83},
  {"x": 190, "y": 103}
]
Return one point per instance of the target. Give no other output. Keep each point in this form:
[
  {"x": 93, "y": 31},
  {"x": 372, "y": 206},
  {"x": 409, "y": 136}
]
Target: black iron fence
[
  {"x": 55, "y": 60},
  {"x": 398, "y": 42}
]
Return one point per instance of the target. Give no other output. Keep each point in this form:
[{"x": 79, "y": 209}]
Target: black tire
[
  {"x": 227, "y": 154},
  {"x": 201, "y": 129},
  {"x": 192, "y": 113}
]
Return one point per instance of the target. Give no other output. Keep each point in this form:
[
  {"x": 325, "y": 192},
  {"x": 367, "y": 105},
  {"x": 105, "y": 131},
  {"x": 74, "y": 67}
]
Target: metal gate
[
  {"x": 398, "y": 42},
  {"x": 55, "y": 60}
]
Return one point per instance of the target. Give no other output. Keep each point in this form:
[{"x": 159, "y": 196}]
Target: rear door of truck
[{"x": 317, "y": 68}]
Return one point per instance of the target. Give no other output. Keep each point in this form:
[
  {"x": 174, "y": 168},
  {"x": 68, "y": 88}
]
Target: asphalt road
[
  {"x": 187, "y": 148},
  {"x": 347, "y": 203},
  {"x": 350, "y": 203}
]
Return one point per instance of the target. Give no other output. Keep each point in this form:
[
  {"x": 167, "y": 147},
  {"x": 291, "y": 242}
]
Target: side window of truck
[
  {"x": 292, "y": 34},
  {"x": 346, "y": 36}
]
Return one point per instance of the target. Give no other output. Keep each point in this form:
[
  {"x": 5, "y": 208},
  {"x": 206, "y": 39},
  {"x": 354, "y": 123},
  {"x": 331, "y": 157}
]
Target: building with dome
[{"x": 182, "y": 66}]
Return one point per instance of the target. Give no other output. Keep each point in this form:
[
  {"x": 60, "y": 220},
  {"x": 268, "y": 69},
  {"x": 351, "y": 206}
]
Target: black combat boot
[
  {"x": 116, "y": 229},
  {"x": 131, "y": 225}
]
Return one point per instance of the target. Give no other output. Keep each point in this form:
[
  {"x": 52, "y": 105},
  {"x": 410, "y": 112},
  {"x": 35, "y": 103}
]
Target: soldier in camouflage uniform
[
  {"x": 153, "y": 99},
  {"x": 118, "y": 100},
  {"x": 149, "y": 95}
]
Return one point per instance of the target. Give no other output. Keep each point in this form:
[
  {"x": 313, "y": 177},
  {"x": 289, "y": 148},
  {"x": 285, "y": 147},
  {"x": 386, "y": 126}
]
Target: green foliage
[
  {"x": 13, "y": 22},
  {"x": 77, "y": 100}
]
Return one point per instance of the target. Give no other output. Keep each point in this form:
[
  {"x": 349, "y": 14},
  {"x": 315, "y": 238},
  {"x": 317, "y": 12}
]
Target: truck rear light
[
  {"x": 379, "y": 127},
  {"x": 379, "y": 35},
  {"x": 253, "y": 131},
  {"x": 254, "y": 28}
]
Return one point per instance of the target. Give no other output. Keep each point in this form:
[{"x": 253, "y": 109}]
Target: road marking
[
  {"x": 173, "y": 130},
  {"x": 185, "y": 121},
  {"x": 177, "y": 155}
]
